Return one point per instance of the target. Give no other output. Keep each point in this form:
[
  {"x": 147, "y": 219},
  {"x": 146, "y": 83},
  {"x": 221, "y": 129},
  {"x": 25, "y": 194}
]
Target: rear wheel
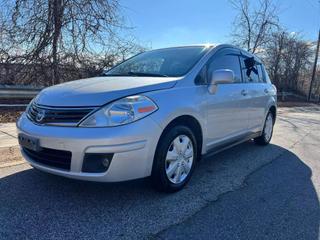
[
  {"x": 266, "y": 136},
  {"x": 175, "y": 159}
]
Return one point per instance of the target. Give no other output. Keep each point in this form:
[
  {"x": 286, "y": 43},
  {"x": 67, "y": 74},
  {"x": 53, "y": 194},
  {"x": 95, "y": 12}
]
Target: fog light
[
  {"x": 105, "y": 162},
  {"x": 96, "y": 162}
]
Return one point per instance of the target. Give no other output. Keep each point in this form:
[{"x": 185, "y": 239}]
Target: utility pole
[{"x": 314, "y": 68}]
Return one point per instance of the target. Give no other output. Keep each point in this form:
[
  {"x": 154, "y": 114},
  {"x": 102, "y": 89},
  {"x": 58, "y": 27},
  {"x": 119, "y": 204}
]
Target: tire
[
  {"x": 172, "y": 158},
  {"x": 267, "y": 132}
]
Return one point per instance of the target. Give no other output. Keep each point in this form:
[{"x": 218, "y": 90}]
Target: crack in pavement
[
  {"x": 8, "y": 134},
  {"x": 242, "y": 185}
]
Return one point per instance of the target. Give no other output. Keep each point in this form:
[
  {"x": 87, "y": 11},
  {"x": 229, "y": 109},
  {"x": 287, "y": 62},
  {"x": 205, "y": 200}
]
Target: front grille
[
  {"x": 57, "y": 116},
  {"x": 50, "y": 157}
]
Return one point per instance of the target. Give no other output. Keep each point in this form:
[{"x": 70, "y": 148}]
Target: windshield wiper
[
  {"x": 146, "y": 74},
  {"x": 134, "y": 74},
  {"x": 112, "y": 75}
]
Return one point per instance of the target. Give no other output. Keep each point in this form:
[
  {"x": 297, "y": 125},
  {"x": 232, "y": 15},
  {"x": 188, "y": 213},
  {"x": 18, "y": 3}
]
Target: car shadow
[{"x": 39, "y": 205}]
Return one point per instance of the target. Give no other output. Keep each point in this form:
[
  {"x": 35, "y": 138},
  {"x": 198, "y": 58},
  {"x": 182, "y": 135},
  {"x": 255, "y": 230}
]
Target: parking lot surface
[{"x": 246, "y": 192}]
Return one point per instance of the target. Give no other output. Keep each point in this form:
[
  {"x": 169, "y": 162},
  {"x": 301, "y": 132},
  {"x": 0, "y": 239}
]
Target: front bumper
[{"x": 133, "y": 146}]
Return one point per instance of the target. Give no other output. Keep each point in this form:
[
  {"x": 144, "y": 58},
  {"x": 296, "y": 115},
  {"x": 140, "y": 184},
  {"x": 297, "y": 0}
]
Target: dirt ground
[{"x": 10, "y": 155}]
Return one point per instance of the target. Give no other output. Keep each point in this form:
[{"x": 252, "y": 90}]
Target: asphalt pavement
[{"x": 247, "y": 192}]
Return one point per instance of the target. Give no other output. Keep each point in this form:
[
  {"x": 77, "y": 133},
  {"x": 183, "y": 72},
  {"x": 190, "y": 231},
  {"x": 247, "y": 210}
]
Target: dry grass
[
  {"x": 9, "y": 115},
  {"x": 296, "y": 104}
]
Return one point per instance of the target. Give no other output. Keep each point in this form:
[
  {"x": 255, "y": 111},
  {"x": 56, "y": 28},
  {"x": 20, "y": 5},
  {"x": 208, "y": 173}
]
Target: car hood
[{"x": 98, "y": 91}]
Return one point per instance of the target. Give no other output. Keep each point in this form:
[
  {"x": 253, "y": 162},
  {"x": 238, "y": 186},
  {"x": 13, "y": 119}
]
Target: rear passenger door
[
  {"x": 257, "y": 91},
  {"x": 227, "y": 114}
]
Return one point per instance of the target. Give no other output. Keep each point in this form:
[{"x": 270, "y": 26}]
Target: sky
[{"x": 163, "y": 23}]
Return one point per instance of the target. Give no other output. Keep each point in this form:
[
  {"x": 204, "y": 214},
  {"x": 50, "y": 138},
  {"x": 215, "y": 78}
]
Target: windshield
[{"x": 170, "y": 62}]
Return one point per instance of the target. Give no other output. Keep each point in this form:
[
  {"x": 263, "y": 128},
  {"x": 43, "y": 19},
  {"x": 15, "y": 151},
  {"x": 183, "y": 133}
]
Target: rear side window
[
  {"x": 225, "y": 60},
  {"x": 250, "y": 70},
  {"x": 265, "y": 74},
  {"x": 262, "y": 76}
]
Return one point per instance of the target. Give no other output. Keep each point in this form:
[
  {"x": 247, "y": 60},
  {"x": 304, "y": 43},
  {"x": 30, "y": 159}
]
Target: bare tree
[
  {"x": 254, "y": 24},
  {"x": 60, "y": 33},
  {"x": 273, "y": 53},
  {"x": 287, "y": 57}
]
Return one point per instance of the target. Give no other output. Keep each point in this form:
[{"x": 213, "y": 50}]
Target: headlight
[
  {"x": 29, "y": 105},
  {"x": 123, "y": 111}
]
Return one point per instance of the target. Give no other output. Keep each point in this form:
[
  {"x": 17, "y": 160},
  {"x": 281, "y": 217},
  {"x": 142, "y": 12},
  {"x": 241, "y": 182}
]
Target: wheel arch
[
  {"x": 188, "y": 121},
  {"x": 273, "y": 110}
]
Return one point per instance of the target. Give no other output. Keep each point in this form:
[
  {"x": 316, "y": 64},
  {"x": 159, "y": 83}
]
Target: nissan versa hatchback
[{"x": 152, "y": 115}]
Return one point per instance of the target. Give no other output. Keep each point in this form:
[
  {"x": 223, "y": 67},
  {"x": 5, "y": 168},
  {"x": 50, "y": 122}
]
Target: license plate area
[{"x": 29, "y": 142}]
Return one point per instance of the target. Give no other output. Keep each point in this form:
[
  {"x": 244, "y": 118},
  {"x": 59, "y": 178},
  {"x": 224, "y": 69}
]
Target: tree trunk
[{"x": 57, "y": 18}]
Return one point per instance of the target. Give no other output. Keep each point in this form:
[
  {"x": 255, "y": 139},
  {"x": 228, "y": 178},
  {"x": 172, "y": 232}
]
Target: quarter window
[
  {"x": 261, "y": 74},
  {"x": 265, "y": 74}
]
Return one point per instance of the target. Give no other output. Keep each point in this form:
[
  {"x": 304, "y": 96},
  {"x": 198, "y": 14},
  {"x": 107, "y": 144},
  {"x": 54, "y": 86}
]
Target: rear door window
[{"x": 250, "y": 70}]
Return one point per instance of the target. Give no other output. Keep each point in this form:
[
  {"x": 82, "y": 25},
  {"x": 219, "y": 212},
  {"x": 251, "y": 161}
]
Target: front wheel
[
  {"x": 175, "y": 159},
  {"x": 266, "y": 136}
]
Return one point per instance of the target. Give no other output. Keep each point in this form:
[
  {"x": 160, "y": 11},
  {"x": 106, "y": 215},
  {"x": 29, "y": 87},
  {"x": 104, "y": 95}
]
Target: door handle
[
  {"x": 244, "y": 92},
  {"x": 266, "y": 91}
]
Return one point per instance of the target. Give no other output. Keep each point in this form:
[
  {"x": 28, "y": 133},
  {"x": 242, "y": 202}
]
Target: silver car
[{"x": 154, "y": 115}]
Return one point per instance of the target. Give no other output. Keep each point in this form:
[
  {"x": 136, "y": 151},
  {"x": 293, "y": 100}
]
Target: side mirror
[{"x": 221, "y": 76}]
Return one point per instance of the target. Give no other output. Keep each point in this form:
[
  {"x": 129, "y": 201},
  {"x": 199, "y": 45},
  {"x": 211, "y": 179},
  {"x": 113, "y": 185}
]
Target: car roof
[
  {"x": 186, "y": 46},
  {"x": 213, "y": 46}
]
